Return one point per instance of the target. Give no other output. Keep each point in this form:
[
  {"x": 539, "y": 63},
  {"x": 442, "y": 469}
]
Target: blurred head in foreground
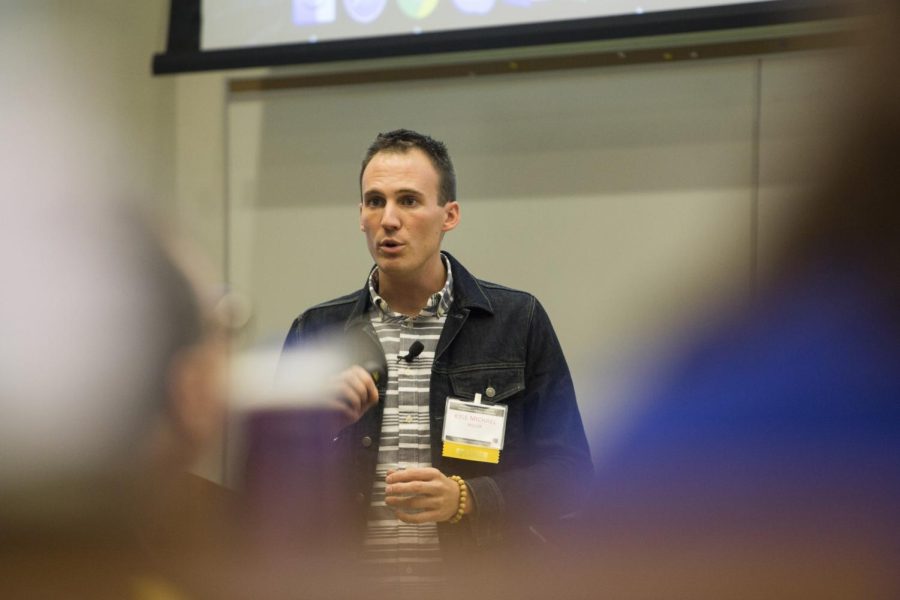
[
  {"x": 109, "y": 371},
  {"x": 766, "y": 463}
]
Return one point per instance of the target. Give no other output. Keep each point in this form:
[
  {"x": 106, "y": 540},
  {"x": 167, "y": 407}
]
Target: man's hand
[
  {"x": 433, "y": 495},
  {"x": 354, "y": 392}
]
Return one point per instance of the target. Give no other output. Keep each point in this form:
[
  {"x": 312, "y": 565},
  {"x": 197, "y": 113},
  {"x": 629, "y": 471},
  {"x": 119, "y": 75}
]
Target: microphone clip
[{"x": 414, "y": 350}]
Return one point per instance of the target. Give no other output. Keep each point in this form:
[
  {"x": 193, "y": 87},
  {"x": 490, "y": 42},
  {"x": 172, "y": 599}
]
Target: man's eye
[
  {"x": 408, "y": 200},
  {"x": 374, "y": 202}
]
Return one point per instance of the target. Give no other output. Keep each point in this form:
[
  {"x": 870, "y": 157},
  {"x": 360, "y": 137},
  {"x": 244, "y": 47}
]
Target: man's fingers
[
  {"x": 398, "y": 501},
  {"x": 422, "y": 503},
  {"x": 364, "y": 385},
  {"x": 409, "y": 489},
  {"x": 406, "y": 475},
  {"x": 348, "y": 396},
  {"x": 426, "y": 491},
  {"x": 369, "y": 391},
  {"x": 355, "y": 392},
  {"x": 355, "y": 377},
  {"x": 429, "y": 516},
  {"x": 417, "y": 502}
]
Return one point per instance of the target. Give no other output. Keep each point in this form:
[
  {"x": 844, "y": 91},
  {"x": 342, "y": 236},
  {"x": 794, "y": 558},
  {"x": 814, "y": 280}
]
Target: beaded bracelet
[{"x": 463, "y": 497}]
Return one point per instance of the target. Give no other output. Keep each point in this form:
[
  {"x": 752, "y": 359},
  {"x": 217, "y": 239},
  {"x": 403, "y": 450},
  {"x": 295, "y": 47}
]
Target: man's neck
[{"x": 409, "y": 295}]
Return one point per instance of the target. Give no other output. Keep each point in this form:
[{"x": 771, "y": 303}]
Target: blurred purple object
[{"x": 297, "y": 494}]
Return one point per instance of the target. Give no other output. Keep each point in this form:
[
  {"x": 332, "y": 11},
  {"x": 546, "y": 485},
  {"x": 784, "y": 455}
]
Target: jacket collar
[
  {"x": 467, "y": 290},
  {"x": 467, "y": 294}
]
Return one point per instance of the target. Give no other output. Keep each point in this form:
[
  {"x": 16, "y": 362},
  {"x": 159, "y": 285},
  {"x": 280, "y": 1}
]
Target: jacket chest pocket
[
  {"x": 495, "y": 384},
  {"x": 500, "y": 384}
]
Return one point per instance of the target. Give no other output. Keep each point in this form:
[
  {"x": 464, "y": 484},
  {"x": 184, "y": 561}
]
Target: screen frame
[{"x": 183, "y": 53}]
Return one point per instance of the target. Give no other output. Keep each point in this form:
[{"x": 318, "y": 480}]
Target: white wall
[{"x": 81, "y": 114}]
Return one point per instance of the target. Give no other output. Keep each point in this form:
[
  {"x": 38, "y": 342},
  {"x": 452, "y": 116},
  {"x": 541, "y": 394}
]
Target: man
[{"x": 445, "y": 334}]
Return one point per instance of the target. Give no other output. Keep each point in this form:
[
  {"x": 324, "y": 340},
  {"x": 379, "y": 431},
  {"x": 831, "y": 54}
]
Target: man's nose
[{"x": 390, "y": 218}]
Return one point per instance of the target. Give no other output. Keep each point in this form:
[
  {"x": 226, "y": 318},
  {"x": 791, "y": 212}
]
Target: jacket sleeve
[{"x": 554, "y": 482}]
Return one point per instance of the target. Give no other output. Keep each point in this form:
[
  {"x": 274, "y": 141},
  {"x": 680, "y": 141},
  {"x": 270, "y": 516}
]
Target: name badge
[{"x": 474, "y": 431}]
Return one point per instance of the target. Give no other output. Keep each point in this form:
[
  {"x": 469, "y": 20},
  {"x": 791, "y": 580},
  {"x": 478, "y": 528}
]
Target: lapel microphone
[{"x": 414, "y": 350}]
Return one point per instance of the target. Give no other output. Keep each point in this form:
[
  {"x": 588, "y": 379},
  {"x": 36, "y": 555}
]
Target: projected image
[
  {"x": 314, "y": 12},
  {"x": 249, "y": 23},
  {"x": 364, "y": 11},
  {"x": 417, "y": 9},
  {"x": 474, "y": 7}
]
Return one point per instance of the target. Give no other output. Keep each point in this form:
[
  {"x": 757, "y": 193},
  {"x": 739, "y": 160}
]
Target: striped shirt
[{"x": 405, "y": 556}]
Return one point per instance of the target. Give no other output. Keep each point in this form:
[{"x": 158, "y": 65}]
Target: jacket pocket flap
[{"x": 493, "y": 383}]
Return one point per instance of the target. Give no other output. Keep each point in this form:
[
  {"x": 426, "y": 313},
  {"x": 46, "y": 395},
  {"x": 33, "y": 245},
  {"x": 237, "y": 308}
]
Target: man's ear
[
  {"x": 361, "y": 226},
  {"x": 451, "y": 216}
]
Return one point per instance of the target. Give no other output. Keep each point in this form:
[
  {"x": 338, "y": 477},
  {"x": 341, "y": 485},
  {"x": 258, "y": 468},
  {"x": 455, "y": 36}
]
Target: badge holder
[{"x": 474, "y": 431}]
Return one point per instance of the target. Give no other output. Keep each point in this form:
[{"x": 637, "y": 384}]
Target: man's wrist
[{"x": 463, "y": 499}]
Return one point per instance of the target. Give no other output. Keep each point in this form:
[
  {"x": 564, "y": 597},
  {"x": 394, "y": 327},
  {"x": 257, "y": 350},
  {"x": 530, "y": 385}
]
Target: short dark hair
[{"x": 403, "y": 140}]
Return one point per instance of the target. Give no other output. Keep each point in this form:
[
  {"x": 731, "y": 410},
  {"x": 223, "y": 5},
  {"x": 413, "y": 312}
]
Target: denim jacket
[{"x": 494, "y": 337}]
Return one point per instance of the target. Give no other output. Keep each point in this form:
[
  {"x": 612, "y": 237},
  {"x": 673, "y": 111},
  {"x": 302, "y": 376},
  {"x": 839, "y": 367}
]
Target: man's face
[{"x": 400, "y": 214}]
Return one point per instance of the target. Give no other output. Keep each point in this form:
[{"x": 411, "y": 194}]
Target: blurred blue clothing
[{"x": 781, "y": 428}]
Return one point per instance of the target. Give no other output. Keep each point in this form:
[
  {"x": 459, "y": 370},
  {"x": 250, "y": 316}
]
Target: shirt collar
[{"x": 437, "y": 306}]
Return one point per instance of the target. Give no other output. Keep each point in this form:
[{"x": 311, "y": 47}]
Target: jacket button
[
  {"x": 490, "y": 392},
  {"x": 366, "y": 441}
]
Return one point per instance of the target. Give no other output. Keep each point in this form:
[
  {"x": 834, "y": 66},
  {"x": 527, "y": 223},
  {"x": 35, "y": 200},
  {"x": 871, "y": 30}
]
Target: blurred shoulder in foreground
[
  {"x": 111, "y": 373},
  {"x": 767, "y": 464}
]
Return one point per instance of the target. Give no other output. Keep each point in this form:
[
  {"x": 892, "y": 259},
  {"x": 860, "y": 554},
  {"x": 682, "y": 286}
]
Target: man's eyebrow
[
  {"x": 401, "y": 191},
  {"x": 413, "y": 191}
]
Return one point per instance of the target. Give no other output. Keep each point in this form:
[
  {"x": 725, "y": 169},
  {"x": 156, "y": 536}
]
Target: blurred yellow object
[{"x": 155, "y": 588}]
